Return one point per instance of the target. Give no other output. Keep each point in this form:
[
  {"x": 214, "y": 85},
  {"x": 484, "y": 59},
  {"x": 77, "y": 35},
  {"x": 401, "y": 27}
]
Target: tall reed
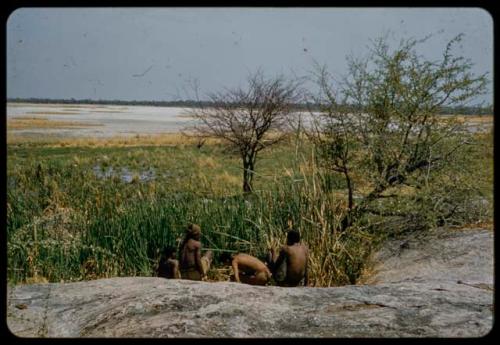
[
  {"x": 117, "y": 235},
  {"x": 66, "y": 223}
]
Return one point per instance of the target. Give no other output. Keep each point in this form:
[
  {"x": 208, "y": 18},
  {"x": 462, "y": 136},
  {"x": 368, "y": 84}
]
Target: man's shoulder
[
  {"x": 243, "y": 257},
  {"x": 304, "y": 247},
  {"x": 298, "y": 247},
  {"x": 194, "y": 242}
]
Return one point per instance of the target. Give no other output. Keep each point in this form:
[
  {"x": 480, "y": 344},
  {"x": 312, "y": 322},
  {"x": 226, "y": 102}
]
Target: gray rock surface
[{"x": 440, "y": 286}]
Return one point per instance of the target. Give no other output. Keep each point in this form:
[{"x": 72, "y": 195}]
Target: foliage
[
  {"x": 383, "y": 119},
  {"x": 68, "y": 221},
  {"x": 378, "y": 162},
  {"x": 248, "y": 119}
]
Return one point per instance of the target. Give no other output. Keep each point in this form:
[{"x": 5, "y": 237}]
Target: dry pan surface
[{"x": 113, "y": 120}]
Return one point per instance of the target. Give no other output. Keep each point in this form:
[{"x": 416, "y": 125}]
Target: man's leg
[
  {"x": 190, "y": 274},
  {"x": 261, "y": 278},
  {"x": 246, "y": 279}
]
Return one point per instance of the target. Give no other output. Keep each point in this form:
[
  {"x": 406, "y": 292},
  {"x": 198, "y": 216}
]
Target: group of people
[{"x": 288, "y": 268}]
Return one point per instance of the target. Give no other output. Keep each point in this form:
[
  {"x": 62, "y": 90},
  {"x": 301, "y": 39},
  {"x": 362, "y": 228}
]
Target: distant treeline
[
  {"x": 188, "y": 103},
  {"x": 179, "y": 103},
  {"x": 463, "y": 110},
  {"x": 471, "y": 110}
]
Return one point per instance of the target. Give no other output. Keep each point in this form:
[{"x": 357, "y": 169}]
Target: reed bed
[
  {"x": 64, "y": 223},
  {"x": 67, "y": 220}
]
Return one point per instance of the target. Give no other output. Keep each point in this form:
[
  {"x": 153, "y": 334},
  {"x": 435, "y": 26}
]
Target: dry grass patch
[
  {"x": 37, "y": 280},
  {"x": 164, "y": 139},
  {"x": 401, "y": 190},
  {"x": 45, "y": 105},
  {"x": 488, "y": 225},
  {"x": 206, "y": 163},
  {"x": 18, "y": 105},
  {"x": 40, "y": 122},
  {"x": 368, "y": 272},
  {"x": 469, "y": 119},
  {"x": 62, "y": 112},
  {"x": 226, "y": 179},
  {"x": 14, "y": 138}
]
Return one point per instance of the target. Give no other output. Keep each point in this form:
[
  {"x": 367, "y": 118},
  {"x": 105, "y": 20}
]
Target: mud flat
[
  {"x": 114, "y": 120},
  {"x": 107, "y": 120}
]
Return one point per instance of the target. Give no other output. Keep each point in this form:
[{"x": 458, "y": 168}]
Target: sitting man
[
  {"x": 193, "y": 266},
  {"x": 290, "y": 268},
  {"x": 168, "y": 266},
  {"x": 247, "y": 269}
]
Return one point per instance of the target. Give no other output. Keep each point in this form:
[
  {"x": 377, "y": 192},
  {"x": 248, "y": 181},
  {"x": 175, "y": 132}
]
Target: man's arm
[
  {"x": 197, "y": 258},
  {"x": 234, "y": 263},
  {"x": 271, "y": 259},
  {"x": 175, "y": 267},
  {"x": 306, "y": 274},
  {"x": 282, "y": 257}
]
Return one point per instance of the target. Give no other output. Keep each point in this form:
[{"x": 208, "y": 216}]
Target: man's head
[
  {"x": 226, "y": 257},
  {"x": 169, "y": 252},
  {"x": 292, "y": 237},
  {"x": 193, "y": 231}
]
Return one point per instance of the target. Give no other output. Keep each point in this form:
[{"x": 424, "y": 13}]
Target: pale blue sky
[{"x": 152, "y": 53}]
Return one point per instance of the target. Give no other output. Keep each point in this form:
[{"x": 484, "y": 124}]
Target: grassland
[{"x": 82, "y": 209}]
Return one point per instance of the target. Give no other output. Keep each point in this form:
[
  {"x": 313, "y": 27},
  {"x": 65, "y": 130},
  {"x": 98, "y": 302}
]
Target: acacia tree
[
  {"x": 383, "y": 116},
  {"x": 248, "y": 119}
]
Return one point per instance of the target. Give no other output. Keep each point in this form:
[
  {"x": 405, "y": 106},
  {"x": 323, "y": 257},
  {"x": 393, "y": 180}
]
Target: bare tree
[
  {"x": 383, "y": 116},
  {"x": 249, "y": 119}
]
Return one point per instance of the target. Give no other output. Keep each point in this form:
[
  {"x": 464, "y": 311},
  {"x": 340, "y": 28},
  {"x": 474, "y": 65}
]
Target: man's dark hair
[
  {"x": 168, "y": 251},
  {"x": 293, "y": 236},
  {"x": 225, "y": 257}
]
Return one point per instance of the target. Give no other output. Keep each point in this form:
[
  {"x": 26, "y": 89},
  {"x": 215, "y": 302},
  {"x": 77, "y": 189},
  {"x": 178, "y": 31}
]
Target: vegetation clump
[{"x": 378, "y": 162}]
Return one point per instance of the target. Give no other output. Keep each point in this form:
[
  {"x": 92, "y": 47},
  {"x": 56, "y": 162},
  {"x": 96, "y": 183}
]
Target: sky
[{"x": 157, "y": 53}]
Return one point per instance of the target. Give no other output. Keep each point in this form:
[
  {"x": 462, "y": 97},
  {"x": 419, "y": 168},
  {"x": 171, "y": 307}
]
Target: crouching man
[{"x": 247, "y": 269}]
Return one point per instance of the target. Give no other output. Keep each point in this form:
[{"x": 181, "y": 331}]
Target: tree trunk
[
  {"x": 247, "y": 176},
  {"x": 355, "y": 211},
  {"x": 349, "y": 217},
  {"x": 349, "y": 190},
  {"x": 347, "y": 220}
]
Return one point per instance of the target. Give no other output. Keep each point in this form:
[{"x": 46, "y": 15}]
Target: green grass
[{"x": 66, "y": 223}]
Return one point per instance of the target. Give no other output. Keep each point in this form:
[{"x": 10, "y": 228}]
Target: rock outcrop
[{"x": 440, "y": 286}]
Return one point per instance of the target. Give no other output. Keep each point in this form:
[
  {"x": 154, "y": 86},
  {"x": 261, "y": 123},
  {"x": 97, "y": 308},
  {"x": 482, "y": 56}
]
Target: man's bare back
[
  {"x": 255, "y": 272},
  {"x": 296, "y": 263},
  {"x": 190, "y": 259},
  {"x": 292, "y": 260},
  {"x": 191, "y": 256}
]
